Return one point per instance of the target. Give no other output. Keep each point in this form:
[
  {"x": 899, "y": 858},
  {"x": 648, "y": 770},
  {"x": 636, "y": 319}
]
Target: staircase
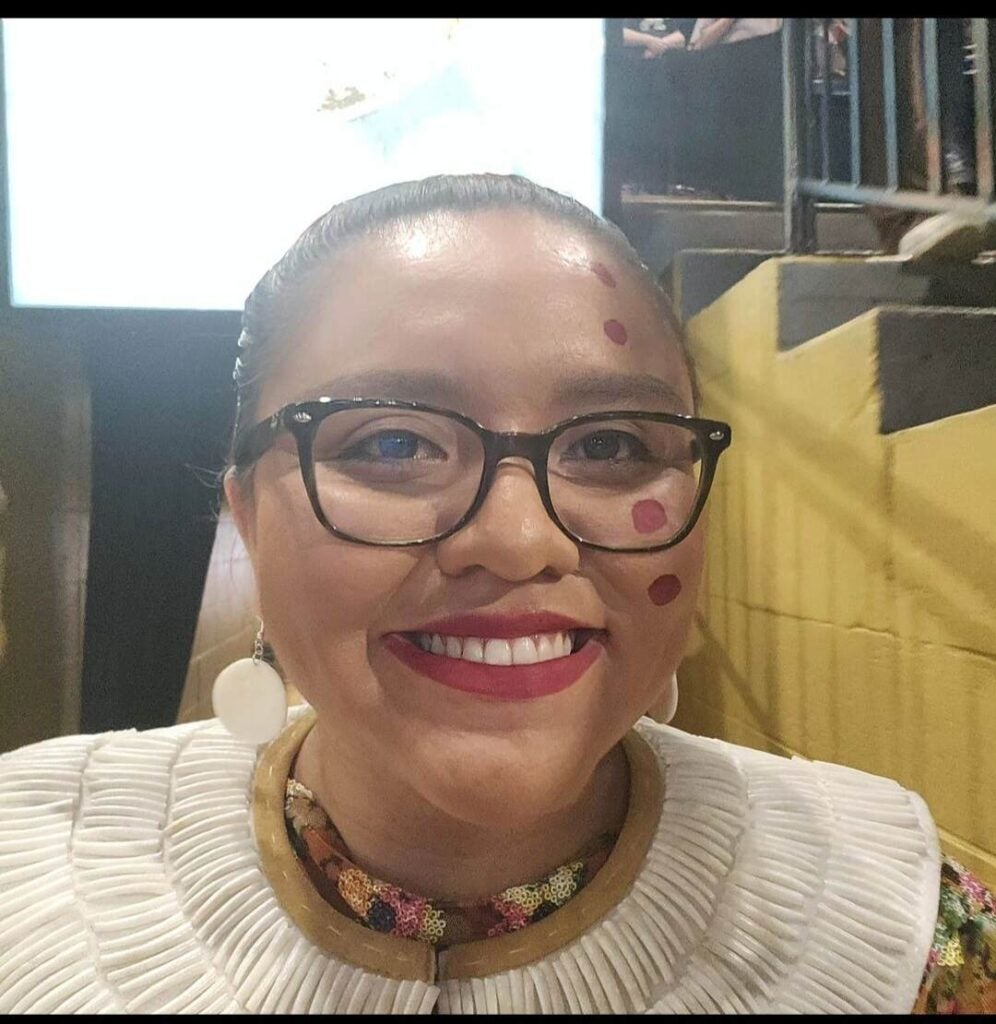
[
  {"x": 660, "y": 227},
  {"x": 848, "y": 609}
]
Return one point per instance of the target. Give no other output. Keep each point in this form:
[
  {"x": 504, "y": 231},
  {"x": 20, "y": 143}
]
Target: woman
[{"x": 467, "y": 468}]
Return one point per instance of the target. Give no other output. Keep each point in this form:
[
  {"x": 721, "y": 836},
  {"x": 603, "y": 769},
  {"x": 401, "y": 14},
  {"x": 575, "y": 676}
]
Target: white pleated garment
[{"x": 130, "y": 882}]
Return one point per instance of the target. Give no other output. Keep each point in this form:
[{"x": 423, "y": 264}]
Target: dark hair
[{"x": 268, "y": 308}]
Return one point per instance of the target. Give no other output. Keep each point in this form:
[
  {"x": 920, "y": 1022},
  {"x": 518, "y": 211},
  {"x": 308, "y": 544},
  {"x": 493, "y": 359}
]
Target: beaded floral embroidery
[
  {"x": 961, "y": 967},
  {"x": 390, "y": 909},
  {"x": 960, "y": 976}
]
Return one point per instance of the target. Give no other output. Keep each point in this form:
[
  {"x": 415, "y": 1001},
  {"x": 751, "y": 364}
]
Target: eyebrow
[
  {"x": 609, "y": 388},
  {"x": 593, "y": 389},
  {"x": 409, "y": 385}
]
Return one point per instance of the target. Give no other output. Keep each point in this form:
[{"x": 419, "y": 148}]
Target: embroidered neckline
[
  {"x": 341, "y": 936},
  {"x": 390, "y": 909}
]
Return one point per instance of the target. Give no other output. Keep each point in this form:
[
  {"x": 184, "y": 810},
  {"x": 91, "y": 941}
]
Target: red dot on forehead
[
  {"x": 648, "y": 516},
  {"x": 602, "y": 272},
  {"x": 664, "y": 589},
  {"x": 615, "y": 332}
]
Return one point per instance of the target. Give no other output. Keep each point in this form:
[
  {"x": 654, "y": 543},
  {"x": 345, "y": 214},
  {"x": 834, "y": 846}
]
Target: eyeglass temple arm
[{"x": 258, "y": 440}]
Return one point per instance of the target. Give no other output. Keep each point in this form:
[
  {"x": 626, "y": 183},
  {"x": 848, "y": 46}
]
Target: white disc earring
[
  {"x": 671, "y": 700},
  {"x": 249, "y": 697}
]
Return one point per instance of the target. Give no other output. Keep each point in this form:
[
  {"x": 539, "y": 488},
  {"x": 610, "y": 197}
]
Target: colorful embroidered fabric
[
  {"x": 960, "y": 976},
  {"x": 961, "y": 968},
  {"x": 390, "y": 909}
]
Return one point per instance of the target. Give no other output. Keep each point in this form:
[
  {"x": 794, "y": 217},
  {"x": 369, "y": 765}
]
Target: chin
[{"x": 482, "y": 781}]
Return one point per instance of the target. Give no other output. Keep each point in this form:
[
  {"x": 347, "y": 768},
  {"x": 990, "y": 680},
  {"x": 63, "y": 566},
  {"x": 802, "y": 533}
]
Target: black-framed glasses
[{"x": 393, "y": 473}]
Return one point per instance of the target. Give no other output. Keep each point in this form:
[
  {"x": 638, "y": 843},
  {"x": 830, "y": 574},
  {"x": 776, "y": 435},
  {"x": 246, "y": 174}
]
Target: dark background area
[
  {"x": 162, "y": 402},
  {"x": 708, "y": 120}
]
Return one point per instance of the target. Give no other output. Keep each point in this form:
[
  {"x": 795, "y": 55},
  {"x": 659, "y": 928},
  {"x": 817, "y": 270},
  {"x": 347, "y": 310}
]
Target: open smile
[{"x": 503, "y": 657}]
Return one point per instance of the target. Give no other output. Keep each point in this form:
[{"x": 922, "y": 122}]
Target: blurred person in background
[
  {"x": 643, "y": 125},
  {"x": 726, "y": 93}
]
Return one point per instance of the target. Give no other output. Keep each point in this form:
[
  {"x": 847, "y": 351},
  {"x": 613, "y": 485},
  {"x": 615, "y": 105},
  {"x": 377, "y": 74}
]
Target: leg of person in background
[
  {"x": 954, "y": 235},
  {"x": 638, "y": 122},
  {"x": 682, "y": 120},
  {"x": 890, "y": 222},
  {"x": 660, "y": 129},
  {"x": 709, "y": 91},
  {"x": 624, "y": 160},
  {"x": 752, "y": 109},
  {"x": 771, "y": 157},
  {"x": 957, "y": 106}
]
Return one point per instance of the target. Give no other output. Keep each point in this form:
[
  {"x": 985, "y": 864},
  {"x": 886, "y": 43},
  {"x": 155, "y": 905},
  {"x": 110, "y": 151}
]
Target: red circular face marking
[
  {"x": 664, "y": 589},
  {"x": 615, "y": 332},
  {"x": 649, "y": 516},
  {"x": 602, "y": 272}
]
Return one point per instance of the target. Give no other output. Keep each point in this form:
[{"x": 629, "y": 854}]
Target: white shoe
[{"x": 949, "y": 236}]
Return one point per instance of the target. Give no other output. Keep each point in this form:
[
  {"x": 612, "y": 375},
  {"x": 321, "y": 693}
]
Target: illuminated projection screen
[{"x": 167, "y": 163}]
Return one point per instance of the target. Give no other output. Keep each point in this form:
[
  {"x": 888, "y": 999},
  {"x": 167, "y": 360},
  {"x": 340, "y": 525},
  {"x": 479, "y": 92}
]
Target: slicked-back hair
[{"x": 271, "y": 306}]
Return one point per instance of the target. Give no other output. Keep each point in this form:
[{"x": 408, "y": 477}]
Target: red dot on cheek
[
  {"x": 615, "y": 332},
  {"x": 648, "y": 516},
  {"x": 664, "y": 589},
  {"x": 602, "y": 272}
]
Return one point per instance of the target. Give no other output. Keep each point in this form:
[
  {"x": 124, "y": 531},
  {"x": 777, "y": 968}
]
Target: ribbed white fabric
[{"x": 129, "y": 882}]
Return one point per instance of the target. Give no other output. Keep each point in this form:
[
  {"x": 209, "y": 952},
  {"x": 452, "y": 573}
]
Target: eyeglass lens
[{"x": 403, "y": 475}]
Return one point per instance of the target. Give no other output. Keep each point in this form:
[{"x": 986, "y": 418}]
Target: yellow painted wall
[{"x": 848, "y": 610}]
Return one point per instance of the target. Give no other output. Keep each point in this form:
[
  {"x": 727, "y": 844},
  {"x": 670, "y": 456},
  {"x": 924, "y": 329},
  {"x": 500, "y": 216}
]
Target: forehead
[{"x": 503, "y": 315}]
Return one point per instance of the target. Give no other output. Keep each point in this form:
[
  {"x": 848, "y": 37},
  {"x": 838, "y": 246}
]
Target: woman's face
[{"x": 517, "y": 322}]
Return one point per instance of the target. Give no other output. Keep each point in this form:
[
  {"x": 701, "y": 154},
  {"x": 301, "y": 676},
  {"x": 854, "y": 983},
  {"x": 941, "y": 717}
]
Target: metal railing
[{"x": 809, "y": 93}]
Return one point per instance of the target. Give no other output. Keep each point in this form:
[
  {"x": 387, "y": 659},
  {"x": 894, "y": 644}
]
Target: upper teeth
[{"x": 520, "y": 650}]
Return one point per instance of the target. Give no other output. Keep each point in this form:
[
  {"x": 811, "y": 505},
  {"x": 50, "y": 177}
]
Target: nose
[{"x": 511, "y": 536}]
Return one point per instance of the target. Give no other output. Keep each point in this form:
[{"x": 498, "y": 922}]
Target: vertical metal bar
[
  {"x": 798, "y": 212},
  {"x": 6, "y": 277},
  {"x": 889, "y": 101},
  {"x": 932, "y": 104},
  {"x": 983, "y": 110},
  {"x": 808, "y": 104},
  {"x": 854, "y": 96},
  {"x": 790, "y": 137},
  {"x": 825, "y": 99}
]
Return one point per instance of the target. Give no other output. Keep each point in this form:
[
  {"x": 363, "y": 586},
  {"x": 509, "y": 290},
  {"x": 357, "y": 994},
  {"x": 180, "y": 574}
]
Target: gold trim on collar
[
  {"x": 409, "y": 959},
  {"x": 330, "y": 931}
]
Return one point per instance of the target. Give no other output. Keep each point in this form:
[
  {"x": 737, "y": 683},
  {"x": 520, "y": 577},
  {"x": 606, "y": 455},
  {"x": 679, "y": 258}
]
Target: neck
[{"x": 393, "y": 833}]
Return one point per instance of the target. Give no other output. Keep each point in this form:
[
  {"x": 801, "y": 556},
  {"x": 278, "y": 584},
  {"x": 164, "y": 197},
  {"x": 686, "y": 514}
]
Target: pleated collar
[
  {"x": 755, "y": 883},
  {"x": 139, "y": 873}
]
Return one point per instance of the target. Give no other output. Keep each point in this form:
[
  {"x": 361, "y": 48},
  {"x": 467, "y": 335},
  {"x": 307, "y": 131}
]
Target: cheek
[
  {"x": 648, "y": 516},
  {"x": 664, "y": 589},
  {"x": 682, "y": 569},
  {"x": 317, "y": 591},
  {"x": 651, "y": 596}
]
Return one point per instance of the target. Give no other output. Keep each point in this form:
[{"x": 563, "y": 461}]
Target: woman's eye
[
  {"x": 393, "y": 445},
  {"x": 608, "y": 445}
]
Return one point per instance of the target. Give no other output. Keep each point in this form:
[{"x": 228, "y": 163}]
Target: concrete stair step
[
  {"x": 934, "y": 363},
  {"x": 659, "y": 227},
  {"x": 818, "y": 293}
]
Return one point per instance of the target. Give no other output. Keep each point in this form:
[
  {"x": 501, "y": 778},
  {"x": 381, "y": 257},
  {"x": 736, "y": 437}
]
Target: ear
[{"x": 238, "y": 494}]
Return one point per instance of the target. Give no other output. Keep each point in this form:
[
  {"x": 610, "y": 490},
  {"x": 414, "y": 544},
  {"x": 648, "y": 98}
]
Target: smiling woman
[{"x": 475, "y": 516}]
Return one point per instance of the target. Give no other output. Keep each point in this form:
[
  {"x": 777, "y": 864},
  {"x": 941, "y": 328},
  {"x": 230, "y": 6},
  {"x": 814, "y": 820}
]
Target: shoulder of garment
[{"x": 130, "y": 881}]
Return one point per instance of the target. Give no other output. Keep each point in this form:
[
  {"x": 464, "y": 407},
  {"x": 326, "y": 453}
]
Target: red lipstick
[{"x": 500, "y": 682}]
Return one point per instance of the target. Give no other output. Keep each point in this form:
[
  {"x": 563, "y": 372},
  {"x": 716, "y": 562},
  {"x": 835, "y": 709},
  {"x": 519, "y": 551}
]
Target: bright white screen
[{"x": 168, "y": 163}]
